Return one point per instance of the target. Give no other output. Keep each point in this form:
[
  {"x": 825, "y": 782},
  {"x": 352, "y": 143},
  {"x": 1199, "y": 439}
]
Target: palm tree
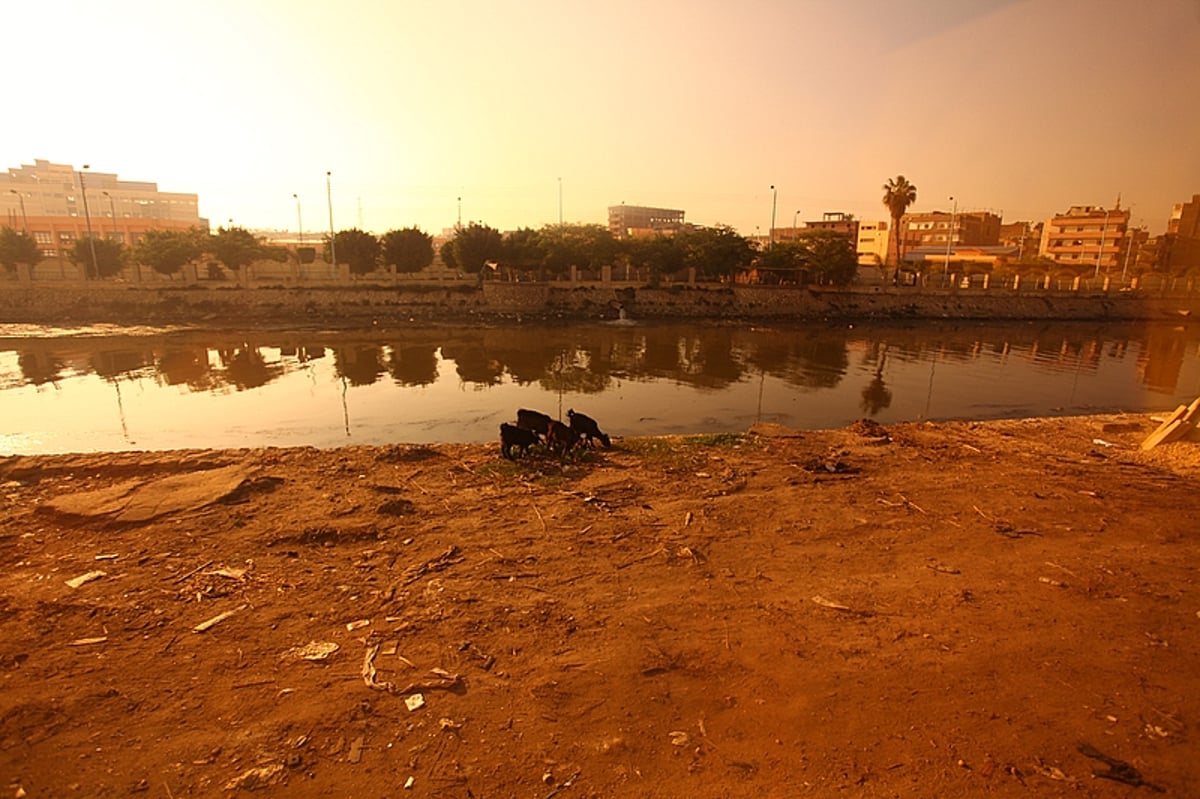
[{"x": 898, "y": 194}]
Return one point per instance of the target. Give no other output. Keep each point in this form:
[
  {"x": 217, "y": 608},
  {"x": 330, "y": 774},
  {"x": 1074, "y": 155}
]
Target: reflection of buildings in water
[
  {"x": 413, "y": 365},
  {"x": 1161, "y": 359}
]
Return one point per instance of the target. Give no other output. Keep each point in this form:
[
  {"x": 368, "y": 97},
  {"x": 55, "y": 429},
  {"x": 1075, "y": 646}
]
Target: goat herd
[{"x": 534, "y": 427}]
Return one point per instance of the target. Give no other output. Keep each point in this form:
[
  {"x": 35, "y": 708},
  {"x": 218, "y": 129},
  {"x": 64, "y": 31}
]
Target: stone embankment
[{"x": 459, "y": 302}]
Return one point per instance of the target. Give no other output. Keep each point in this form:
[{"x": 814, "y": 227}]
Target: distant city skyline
[{"x": 536, "y": 109}]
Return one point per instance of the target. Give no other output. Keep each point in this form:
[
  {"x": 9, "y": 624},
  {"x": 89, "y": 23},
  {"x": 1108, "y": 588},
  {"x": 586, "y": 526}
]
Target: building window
[{"x": 42, "y": 237}]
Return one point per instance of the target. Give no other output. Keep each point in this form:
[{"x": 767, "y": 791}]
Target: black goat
[
  {"x": 588, "y": 429},
  {"x": 535, "y": 421},
  {"x": 561, "y": 439},
  {"x": 513, "y": 437}
]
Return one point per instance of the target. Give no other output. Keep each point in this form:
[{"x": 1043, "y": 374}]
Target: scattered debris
[
  {"x": 89, "y": 641},
  {"x": 112, "y": 556},
  {"x": 938, "y": 567},
  {"x": 313, "y": 650},
  {"x": 679, "y": 738},
  {"x": 825, "y": 603},
  {"x": 1100, "y": 442},
  {"x": 1052, "y": 581},
  {"x": 255, "y": 778},
  {"x": 408, "y": 783},
  {"x": 220, "y": 617},
  {"x": 75, "y": 582},
  {"x": 414, "y": 702},
  {"x": 357, "y": 624}
]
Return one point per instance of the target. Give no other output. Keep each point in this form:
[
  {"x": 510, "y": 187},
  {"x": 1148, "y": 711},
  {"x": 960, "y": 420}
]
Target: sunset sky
[{"x": 1024, "y": 107}]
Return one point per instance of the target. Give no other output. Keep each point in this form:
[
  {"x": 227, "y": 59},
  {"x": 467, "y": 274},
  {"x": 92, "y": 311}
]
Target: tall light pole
[
  {"x": 459, "y": 226},
  {"x": 112, "y": 211},
  {"x": 949, "y": 239},
  {"x": 329, "y": 200},
  {"x": 795, "y": 216},
  {"x": 1128, "y": 252},
  {"x": 299, "y": 221},
  {"x": 24, "y": 219},
  {"x": 1103, "y": 235},
  {"x": 774, "y": 204},
  {"x": 87, "y": 216}
]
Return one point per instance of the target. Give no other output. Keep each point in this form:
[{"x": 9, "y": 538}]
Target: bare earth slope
[{"x": 1003, "y": 609}]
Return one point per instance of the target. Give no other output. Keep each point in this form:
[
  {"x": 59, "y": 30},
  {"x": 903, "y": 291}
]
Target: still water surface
[{"x": 108, "y": 388}]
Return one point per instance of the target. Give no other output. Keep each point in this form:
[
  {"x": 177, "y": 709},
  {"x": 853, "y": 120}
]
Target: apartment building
[
  {"x": 1183, "y": 237},
  {"x": 57, "y": 204},
  {"x": 954, "y": 228},
  {"x": 633, "y": 221},
  {"x": 872, "y": 243},
  {"x": 1087, "y": 236}
]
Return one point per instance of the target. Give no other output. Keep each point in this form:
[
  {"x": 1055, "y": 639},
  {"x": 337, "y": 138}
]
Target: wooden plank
[
  {"x": 1192, "y": 411},
  {"x": 1169, "y": 426}
]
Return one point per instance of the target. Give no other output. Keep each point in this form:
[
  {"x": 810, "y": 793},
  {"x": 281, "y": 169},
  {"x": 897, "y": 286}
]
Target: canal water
[{"x": 108, "y": 388}]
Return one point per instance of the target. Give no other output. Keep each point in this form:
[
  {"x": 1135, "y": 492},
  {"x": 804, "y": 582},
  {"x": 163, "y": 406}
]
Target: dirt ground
[{"x": 924, "y": 610}]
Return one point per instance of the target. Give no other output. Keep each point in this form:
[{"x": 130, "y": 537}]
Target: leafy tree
[
  {"x": 786, "y": 257},
  {"x": 524, "y": 250},
  {"x": 475, "y": 245},
  {"x": 831, "y": 256},
  {"x": 410, "y": 249},
  {"x": 166, "y": 251},
  {"x": 583, "y": 246},
  {"x": 357, "y": 248},
  {"x": 110, "y": 256},
  {"x": 17, "y": 248},
  {"x": 449, "y": 256},
  {"x": 235, "y": 247},
  {"x": 898, "y": 194},
  {"x": 662, "y": 255},
  {"x": 716, "y": 251}
]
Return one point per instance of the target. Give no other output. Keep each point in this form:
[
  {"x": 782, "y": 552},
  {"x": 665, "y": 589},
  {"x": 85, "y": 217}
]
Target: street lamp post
[
  {"x": 1103, "y": 235},
  {"x": 774, "y": 204},
  {"x": 24, "y": 219},
  {"x": 459, "y": 226},
  {"x": 949, "y": 239},
  {"x": 299, "y": 221},
  {"x": 87, "y": 216},
  {"x": 329, "y": 201},
  {"x": 112, "y": 211},
  {"x": 795, "y": 216}
]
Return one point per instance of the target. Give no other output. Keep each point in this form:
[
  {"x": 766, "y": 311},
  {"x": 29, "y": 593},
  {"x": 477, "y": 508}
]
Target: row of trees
[
  {"x": 546, "y": 253},
  {"x": 714, "y": 252}
]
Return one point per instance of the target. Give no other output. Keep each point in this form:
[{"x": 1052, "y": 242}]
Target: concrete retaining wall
[{"x": 100, "y": 301}]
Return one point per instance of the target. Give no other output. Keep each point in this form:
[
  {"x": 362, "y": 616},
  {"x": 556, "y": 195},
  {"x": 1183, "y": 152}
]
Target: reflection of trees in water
[
  {"x": 40, "y": 367},
  {"x": 572, "y": 372},
  {"x": 474, "y": 364},
  {"x": 245, "y": 367},
  {"x": 362, "y": 365},
  {"x": 876, "y": 395},
  {"x": 186, "y": 366},
  {"x": 412, "y": 365}
]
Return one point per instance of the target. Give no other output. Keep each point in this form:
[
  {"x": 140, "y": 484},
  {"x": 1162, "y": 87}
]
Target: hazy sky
[{"x": 1024, "y": 107}]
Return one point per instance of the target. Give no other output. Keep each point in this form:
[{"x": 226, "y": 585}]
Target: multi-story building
[
  {"x": 1183, "y": 236},
  {"x": 632, "y": 221},
  {"x": 831, "y": 220},
  {"x": 872, "y": 243},
  {"x": 1025, "y": 236},
  {"x": 953, "y": 228},
  {"x": 57, "y": 204},
  {"x": 1087, "y": 236}
]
